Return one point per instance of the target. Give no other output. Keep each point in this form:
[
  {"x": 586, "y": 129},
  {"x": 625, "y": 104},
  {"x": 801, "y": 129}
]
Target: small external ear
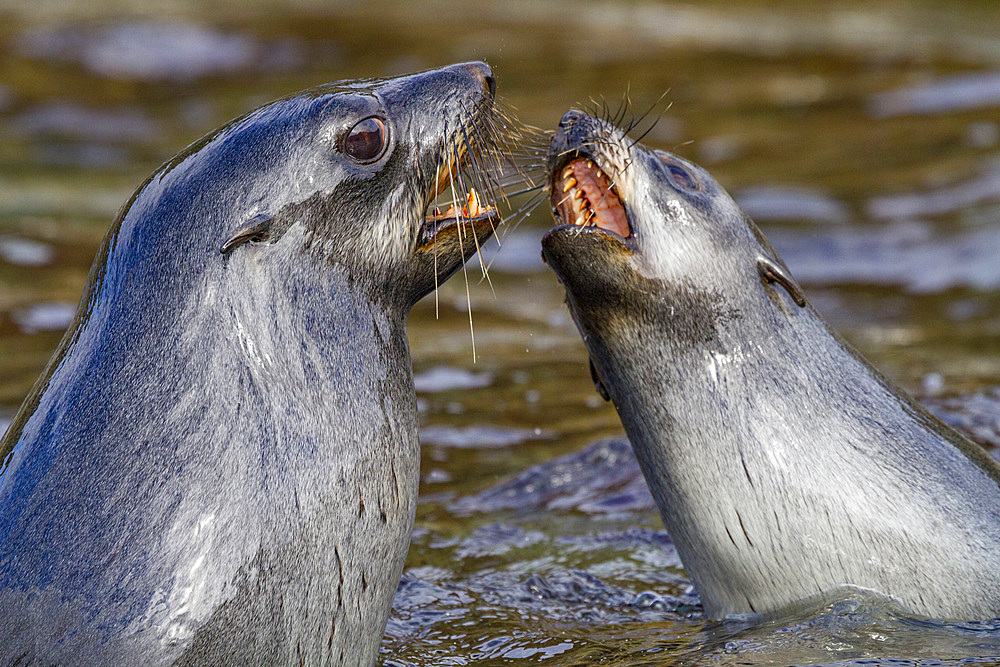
[
  {"x": 256, "y": 230},
  {"x": 773, "y": 272},
  {"x": 598, "y": 385}
]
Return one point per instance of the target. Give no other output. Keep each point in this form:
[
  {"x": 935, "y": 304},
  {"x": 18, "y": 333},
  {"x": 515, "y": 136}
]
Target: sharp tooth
[
  {"x": 570, "y": 182},
  {"x": 590, "y": 163},
  {"x": 567, "y": 171},
  {"x": 578, "y": 194},
  {"x": 472, "y": 207}
]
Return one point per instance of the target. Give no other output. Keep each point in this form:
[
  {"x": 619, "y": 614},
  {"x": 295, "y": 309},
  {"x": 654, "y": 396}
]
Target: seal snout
[
  {"x": 469, "y": 145},
  {"x": 467, "y": 206},
  {"x": 484, "y": 73},
  {"x": 584, "y": 190}
]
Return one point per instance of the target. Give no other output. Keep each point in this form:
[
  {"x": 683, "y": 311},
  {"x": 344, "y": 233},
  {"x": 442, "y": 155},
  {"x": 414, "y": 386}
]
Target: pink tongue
[
  {"x": 609, "y": 213},
  {"x": 612, "y": 218}
]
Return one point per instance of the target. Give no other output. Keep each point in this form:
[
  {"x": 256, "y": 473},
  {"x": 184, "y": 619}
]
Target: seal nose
[
  {"x": 485, "y": 74},
  {"x": 572, "y": 134},
  {"x": 569, "y": 118}
]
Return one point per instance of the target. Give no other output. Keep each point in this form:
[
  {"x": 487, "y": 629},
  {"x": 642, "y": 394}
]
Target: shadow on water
[{"x": 862, "y": 136}]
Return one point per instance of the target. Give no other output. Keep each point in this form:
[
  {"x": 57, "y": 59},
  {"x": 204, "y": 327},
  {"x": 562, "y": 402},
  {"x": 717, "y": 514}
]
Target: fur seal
[
  {"x": 784, "y": 465},
  {"x": 220, "y": 463}
]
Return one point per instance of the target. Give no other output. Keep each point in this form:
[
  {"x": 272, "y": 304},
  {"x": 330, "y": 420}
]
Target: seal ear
[
  {"x": 256, "y": 230},
  {"x": 598, "y": 385},
  {"x": 772, "y": 272}
]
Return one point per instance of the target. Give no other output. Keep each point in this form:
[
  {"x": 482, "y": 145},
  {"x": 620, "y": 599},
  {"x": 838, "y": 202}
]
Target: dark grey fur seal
[
  {"x": 784, "y": 466},
  {"x": 220, "y": 463}
]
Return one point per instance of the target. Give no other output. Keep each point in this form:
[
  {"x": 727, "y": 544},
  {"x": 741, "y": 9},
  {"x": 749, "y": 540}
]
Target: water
[{"x": 864, "y": 137}]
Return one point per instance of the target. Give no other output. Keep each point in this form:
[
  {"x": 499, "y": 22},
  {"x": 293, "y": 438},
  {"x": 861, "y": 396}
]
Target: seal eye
[
  {"x": 681, "y": 178},
  {"x": 366, "y": 141}
]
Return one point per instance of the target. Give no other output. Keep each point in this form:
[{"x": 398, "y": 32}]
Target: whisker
[
  {"x": 524, "y": 211},
  {"x": 659, "y": 117},
  {"x": 525, "y": 191},
  {"x": 479, "y": 251},
  {"x": 480, "y": 176},
  {"x": 625, "y": 105},
  {"x": 437, "y": 308},
  {"x": 468, "y": 294},
  {"x": 527, "y": 209},
  {"x": 505, "y": 161}
]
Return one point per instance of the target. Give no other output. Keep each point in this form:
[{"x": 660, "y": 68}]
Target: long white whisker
[{"x": 461, "y": 249}]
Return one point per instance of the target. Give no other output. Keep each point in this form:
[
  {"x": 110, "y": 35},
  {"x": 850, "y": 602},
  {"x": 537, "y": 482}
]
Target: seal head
[
  {"x": 220, "y": 462},
  {"x": 784, "y": 466}
]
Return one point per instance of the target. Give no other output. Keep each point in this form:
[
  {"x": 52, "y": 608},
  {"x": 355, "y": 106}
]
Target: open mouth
[
  {"x": 583, "y": 195},
  {"x": 463, "y": 206}
]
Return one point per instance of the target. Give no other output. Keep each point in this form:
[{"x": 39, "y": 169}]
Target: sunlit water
[{"x": 863, "y": 137}]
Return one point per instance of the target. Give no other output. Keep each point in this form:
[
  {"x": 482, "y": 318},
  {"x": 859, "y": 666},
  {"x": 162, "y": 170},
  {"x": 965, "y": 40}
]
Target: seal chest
[
  {"x": 220, "y": 462},
  {"x": 784, "y": 466}
]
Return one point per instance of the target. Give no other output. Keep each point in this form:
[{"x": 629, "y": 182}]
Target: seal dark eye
[
  {"x": 366, "y": 141},
  {"x": 681, "y": 177}
]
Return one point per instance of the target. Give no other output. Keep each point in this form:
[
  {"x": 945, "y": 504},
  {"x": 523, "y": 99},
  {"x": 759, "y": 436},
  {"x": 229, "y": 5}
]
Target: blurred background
[{"x": 863, "y": 137}]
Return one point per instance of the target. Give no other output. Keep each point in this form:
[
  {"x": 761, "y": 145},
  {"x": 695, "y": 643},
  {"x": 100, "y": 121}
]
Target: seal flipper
[
  {"x": 257, "y": 229},
  {"x": 598, "y": 384},
  {"x": 773, "y": 272}
]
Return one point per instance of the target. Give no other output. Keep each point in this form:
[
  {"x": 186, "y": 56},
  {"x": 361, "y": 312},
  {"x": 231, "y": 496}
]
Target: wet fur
[
  {"x": 783, "y": 465},
  {"x": 220, "y": 464}
]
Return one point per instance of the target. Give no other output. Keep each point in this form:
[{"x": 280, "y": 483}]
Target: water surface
[{"x": 863, "y": 137}]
